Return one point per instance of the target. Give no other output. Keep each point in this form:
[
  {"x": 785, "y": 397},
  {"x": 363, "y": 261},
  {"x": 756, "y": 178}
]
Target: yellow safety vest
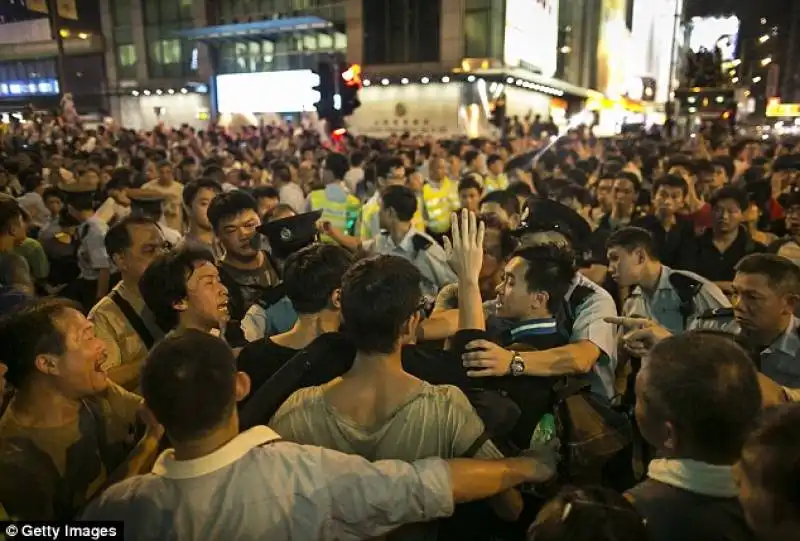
[
  {"x": 370, "y": 223},
  {"x": 343, "y": 215},
  {"x": 496, "y": 184},
  {"x": 439, "y": 204}
]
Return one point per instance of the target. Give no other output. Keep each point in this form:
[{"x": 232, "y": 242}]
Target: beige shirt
[
  {"x": 122, "y": 341},
  {"x": 173, "y": 206},
  {"x": 438, "y": 420}
]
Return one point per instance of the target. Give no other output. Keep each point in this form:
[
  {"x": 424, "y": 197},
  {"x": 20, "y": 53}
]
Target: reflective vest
[
  {"x": 343, "y": 215},
  {"x": 370, "y": 222},
  {"x": 496, "y": 184},
  {"x": 439, "y": 204}
]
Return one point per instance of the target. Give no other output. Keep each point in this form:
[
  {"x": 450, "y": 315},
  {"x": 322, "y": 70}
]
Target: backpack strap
[
  {"x": 134, "y": 319},
  {"x": 687, "y": 289},
  {"x": 569, "y": 308},
  {"x": 476, "y": 445}
]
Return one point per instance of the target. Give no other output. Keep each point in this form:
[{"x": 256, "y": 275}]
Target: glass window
[
  {"x": 121, "y": 11},
  {"x": 309, "y": 43},
  {"x": 399, "y": 31},
  {"x": 126, "y": 55},
  {"x": 325, "y": 42},
  {"x": 166, "y": 51},
  {"x": 340, "y": 41},
  {"x": 477, "y": 31}
]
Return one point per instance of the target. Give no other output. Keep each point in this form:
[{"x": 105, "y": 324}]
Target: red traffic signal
[{"x": 352, "y": 76}]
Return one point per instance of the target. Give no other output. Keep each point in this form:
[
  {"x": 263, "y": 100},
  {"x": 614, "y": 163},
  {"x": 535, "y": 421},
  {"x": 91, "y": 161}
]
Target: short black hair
[
  {"x": 192, "y": 188},
  {"x": 265, "y": 192},
  {"x": 590, "y": 513},
  {"x": 163, "y": 284},
  {"x": 470, "y": 156},
  {"x": 386, "y": 164},
  {"x": 492, "y": 159},
  {"x": 118, "y": 238},
  {"x": 551, "y": 269},
  {"x": 357, "y": 158},
  {"x": 402, "y": 200},
  {"x": 726, "y": 163},
  {"x": 229, "y": 205},
  {"x": 520, "y": 189},
  {"x": 469, "y": 182},
  {"x": 28, "y": 332},
  {"x": 322, "y": 265},
  {"x": 770, "y": 456},
  {"x": 337, "y": 164},
  {"x": 188, "y": 382},
  {"x": 280, "y": 172},
  {"x": 671, "y": 181},
  {"x": 10, "y": 211},
  {"x": 706, "y": 385},
  {"x": 631, "y": 238},
  {"x": 379, "y": 294},
  {"x": 52, "y": 191},
  {"x": 781, "y": 273},
  {"x": 632, "y": 178},
  {"x": 506, "y": 199},
  {"x": 731, "y": 193}
]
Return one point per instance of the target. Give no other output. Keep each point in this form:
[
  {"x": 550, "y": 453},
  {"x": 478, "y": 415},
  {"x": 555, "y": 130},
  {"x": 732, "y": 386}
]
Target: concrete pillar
[
  {"x": 107, "y": 29},
  {"x": 139, "y": 41},
  {"x": 354, "y": 16},
  {"x": 451, "y": 33},
  {"x": 205, "y": 68}
]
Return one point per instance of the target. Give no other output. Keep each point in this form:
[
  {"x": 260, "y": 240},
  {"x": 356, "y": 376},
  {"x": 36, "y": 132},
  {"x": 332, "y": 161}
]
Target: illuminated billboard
[
  {"x": 531, "y": 35},
  {"x": 710, "y": 32},
  {"x": 267, "y": 92}
]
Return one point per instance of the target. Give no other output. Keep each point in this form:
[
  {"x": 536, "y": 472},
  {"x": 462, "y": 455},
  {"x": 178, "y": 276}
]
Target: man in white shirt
[
  {"x": 261, "y": 487},
  {"x": 170, "y": 188}
]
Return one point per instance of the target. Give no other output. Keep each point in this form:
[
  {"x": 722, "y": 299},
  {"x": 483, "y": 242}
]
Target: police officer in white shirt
[
  {"x": 398, "y": 204},
  {"x": 674, "y": 298}
]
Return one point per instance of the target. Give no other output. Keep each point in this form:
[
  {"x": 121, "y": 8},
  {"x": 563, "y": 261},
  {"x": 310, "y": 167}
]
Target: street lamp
[
  {"x": 757, "y": 79},
  {"x": 766, "y": 61},
  {"x": 764, "y": 38}
]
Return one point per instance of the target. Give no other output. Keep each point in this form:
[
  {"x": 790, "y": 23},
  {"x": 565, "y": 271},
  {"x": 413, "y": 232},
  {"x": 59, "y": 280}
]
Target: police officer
[
  {"x": 592, "y": 344},
  {"x": 766, "y": 288},
  {"x": 673, "y": 298},
  {"x": 95, "y": 268},
  {"x": 399, "y": 237},
  {"x": 338, "y": 205},
  {"x": 151, "y": 204},
  {"x": 273, "y": 313}
]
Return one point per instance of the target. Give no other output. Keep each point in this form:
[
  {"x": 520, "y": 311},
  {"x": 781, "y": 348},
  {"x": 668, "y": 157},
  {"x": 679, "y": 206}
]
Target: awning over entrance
[{"x": 258, "y": 29}]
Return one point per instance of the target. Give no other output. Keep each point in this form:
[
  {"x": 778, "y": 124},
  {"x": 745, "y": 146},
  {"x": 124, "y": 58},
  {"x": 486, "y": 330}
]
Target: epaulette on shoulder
[
  {"x": 421, "y": 243},
  {"x": 717, "y": 313}
]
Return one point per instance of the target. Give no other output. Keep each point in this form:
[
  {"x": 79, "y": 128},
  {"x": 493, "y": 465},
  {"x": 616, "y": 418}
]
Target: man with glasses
[{"x": 121, "y": 318}]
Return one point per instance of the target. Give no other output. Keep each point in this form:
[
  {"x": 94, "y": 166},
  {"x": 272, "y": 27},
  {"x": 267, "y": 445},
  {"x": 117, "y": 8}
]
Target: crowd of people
[{"x": 264, "y": 334}]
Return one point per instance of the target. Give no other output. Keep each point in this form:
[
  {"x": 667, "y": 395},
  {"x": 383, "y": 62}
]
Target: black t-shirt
[
  {"x": 719, "y": 267},
  {"x": 261, "y": 359}
]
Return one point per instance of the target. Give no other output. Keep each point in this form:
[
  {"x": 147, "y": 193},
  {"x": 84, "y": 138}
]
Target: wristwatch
[{"x": 517, "y": 365}]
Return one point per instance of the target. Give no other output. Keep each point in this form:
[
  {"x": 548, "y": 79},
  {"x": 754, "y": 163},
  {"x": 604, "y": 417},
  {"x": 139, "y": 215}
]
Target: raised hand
[{"x": 465, "y": 252}]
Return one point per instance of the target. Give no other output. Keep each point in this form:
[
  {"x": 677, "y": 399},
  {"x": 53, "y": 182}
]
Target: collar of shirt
[
  {"x": 663, "y": 282},
  {"x": 168, "y": 467},
  {"x": 533, "y": 327},
  {"x": 787, "y": 343},
  {"x": 405, "y": 245}
]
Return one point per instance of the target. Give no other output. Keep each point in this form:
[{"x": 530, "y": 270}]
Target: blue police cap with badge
[{"x": 291, "y": 234}]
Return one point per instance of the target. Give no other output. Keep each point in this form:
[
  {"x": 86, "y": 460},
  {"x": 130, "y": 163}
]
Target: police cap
[
  {"x": 79, "y": 196},
  {"x": 542, "y": 215},
  {"x": 291, "y": 234},
  {"x": 146, "y": 202},
  {"x": 790, "y": 199}
]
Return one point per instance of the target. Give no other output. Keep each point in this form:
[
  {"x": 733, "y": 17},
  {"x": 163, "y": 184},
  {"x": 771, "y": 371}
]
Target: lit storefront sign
[
  {"x": 531, "y": 34},
  {"x": 42, "y": 87},
  {"x": 776, "y": 109},
  {"x": 267, "y": 92}
]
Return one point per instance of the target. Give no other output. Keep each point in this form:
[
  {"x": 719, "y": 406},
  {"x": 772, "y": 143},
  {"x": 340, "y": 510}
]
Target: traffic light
[
  {"x": 350, "y": 85},
  {"x": 327, "y": 91}
]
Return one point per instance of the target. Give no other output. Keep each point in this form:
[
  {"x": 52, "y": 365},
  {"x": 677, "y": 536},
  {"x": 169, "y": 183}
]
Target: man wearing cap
[
  {"x": 94, "y": 265},
  {"x": 151, "y": 204},
  {"x": 592, "y": 347}
]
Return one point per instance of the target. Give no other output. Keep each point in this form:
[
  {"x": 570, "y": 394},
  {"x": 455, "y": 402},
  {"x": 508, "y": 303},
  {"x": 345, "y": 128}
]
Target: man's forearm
[
  {"x": 479, "y": 479},
  {"x": 578, "y": 358},
  {"x": 470, "y": 306}
]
